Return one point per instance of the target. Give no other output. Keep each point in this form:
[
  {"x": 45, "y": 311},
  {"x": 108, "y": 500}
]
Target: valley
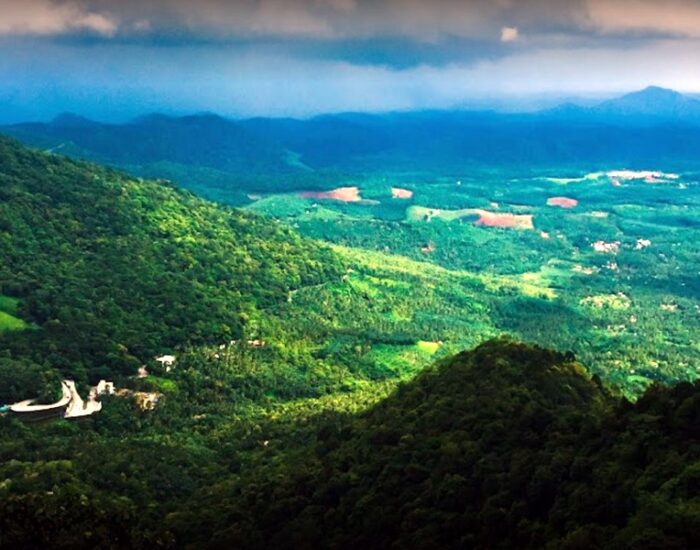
[
  {"x": 297, "y": 317},
  {"x": 349, "y": 275},
  {"x": 620, "y": 233}
]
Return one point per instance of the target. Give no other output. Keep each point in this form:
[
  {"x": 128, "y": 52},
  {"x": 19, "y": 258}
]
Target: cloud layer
[
  {"x": 299, "y": 57},
  {"x": 342, "y": 19},
  {"x": 46, "y": 17},
  {"x": 673, "y": 17}
]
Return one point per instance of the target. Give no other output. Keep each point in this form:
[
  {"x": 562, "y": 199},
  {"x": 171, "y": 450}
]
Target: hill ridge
[
  {"x": 502, "y": 446},
  {"x": 116, "y": 269}
]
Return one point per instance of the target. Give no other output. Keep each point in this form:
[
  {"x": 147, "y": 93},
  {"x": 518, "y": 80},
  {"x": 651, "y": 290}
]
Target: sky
[{"x": 113, "y": 60}]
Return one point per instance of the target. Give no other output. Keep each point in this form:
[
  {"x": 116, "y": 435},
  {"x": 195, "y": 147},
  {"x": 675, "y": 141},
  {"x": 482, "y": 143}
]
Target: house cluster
[
  {"x": 606, "y": 248},
  {"x": 257, "y": 343}
]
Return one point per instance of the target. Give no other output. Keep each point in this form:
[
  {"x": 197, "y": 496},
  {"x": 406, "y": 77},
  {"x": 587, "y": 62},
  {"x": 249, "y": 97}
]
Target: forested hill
[
  {"x": 208, "y": 154},
  {"x": 506, "y": 446},
  {"x": 110, "y": 270},
  {"x": 226, "y": 159}
]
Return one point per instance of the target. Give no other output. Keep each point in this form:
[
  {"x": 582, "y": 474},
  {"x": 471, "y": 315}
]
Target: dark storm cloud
[
  {"x": 348, "y": 19},
  {"x": 398, "y": 33},
  {"x": 117, "y": 58},
  {"x": 329, "y": 19}
]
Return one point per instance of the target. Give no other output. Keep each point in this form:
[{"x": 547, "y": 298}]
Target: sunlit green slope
[
  {"x": 505, "y": 446},
  {"x": 113, "y": 270}
]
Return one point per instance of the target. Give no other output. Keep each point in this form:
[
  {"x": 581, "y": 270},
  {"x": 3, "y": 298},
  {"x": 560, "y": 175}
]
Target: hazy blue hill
[
  {"x": 217, "y": 158},
  {"x": 224, "y": 159},
  {"x": 201, "y": 140},
  {"x": 322, "y": 140},
  {"x": 651, "y": 106},
  {"x": 505, "y": 446},
  {"x": 450, "y": 141},
  {"x": 633, "y": 130},
  {"x": 653, "y": 102},
  {"x": 568, "y": 111},
  {"x": 71, "y": 120}
]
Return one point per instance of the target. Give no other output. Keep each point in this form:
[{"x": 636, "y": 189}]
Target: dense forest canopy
[
  {"x": 114, "y": 270},
  {"x": 299, "y": 413},
  {"x": 506, "y": 446}
]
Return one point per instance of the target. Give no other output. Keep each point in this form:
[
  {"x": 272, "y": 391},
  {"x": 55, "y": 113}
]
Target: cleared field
[
  {"x": 480, "y": 217},
  {"x": 342, "y": 194},
  {"x": 562, "y": 202},
  {"x": 9, "y": 323},
  {"x": 399, "y": 193}
]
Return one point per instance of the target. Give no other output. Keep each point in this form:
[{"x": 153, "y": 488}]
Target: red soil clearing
[
  {"x": 398, "y": 193},
  {"x": 343, "y": 194},
  {"x": 510, "y": 221},
  {"x": 563, "y": 202}
]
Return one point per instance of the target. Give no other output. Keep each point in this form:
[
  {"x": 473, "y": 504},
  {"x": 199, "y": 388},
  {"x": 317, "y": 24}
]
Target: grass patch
[
  {"x": 421, "y": 213},
  {"x": 165, "y": 385},
  {"x": 10, "y": 323},
  {"x": 8, "y": 305},
  {"x": 8, "y": 320},
  {"x": 428, "y": 347},
  {"x": 402, "y": 362}
]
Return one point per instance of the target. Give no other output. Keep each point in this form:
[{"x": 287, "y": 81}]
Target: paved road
[
  {"x": 74, "y": 405},
  {"x": 77, "y": 407},
  {"x": 28, "y": 406}
]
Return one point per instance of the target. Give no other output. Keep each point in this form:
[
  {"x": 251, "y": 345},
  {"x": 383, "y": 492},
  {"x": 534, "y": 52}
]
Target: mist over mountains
[
  {"x": 206, "y": 152},
  {"x": 651, "y": 105},
  {"x": 301, "y": 410}
]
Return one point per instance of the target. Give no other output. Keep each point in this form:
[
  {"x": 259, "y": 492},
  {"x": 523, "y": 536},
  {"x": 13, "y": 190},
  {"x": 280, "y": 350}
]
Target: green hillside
[
  {"x": 506, "y": 446},
  {"x": 298, "y": 414},
  {"x": 8, "y": 312},
  {"x": 114, "y": 270},
  {"x": 110, "y": 271}
]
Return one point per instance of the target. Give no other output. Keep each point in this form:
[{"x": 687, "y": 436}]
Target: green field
[
  {"x": 606, "y": 278},
  {"x": 8, "y": 321}
]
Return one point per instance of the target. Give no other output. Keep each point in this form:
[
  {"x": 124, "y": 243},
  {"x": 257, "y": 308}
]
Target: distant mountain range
[
  {"x": 653, "y": 104},
  {"x": 223, "y": 158},
  {"x": 202, "y": 152},
  {"x": 656, "y": 102}
]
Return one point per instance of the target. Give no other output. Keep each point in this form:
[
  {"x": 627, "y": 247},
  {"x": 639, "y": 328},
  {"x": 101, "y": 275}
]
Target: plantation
[
  {"x": 599, "y": 279},
  {"x": 349, "y": 275},
  {"x": 300, "y": 354}
]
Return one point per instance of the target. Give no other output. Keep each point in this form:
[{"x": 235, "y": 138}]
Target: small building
[
  {"x": 166, "y": 361},
  {"x": 104, "y": 388}
]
